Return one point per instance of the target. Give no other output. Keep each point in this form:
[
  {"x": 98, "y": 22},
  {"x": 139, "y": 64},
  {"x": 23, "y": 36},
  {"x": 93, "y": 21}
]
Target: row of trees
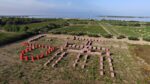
[
  {"x": 46, "y": 28},
  {"x": 6, "y": 38},
  {"x": 15, "y": 28},
  {"x": 123, "y": 23},
  {"x": 18, "y": 21}
]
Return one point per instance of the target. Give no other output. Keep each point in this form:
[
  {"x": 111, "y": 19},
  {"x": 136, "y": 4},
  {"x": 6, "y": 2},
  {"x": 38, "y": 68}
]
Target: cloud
[
  {"x": 24, "y": 6},
  {"x": 44, "y": 7}
]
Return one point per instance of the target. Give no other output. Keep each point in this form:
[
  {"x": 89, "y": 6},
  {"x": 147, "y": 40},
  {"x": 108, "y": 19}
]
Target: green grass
[
  {"x": 131, "y": 31},
  {"x": 128, "y": 30},
  {"x": 42, "y": 24},
  {"x": 86, "y": 29},
  {"x": 7, "y": 37},
  {"x": 110, "y": 28}
]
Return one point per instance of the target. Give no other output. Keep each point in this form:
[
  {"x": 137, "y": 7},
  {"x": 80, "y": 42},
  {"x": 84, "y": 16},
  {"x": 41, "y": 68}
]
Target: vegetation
[
  {"x": 14, "y": 29},
  {"x": 133, "y": 38},
  {"x": 121, "y": 37},
  {"x": 123, "y": 23},
  {"x": 94, "y": 35},
  {"x": 6, "y": 38},
  {"x": 108, "y": 36},
  {"x": 142, "y": 52},
  {"x": 127, "y": 28},
  {"x": 95, "y": 30},
  {"x": 92, "y": 28},
  {"x": 18, "y": 21},
  {"x": 129, "y": 69},
  {"x": 146, "y": 39}
]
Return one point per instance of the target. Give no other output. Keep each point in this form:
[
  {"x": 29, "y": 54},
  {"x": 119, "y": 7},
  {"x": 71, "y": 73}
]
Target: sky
[{"x": 75, "y": 8}]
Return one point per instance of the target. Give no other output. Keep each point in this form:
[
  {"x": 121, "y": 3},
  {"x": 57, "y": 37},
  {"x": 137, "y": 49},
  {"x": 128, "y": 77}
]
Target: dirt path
[
  {"x": 113, "y": 30},
  {"x": 105, "y": 28}
]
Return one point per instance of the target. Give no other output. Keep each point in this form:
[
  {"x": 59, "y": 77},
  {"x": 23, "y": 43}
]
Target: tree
[{"x": 24, "y": 29}]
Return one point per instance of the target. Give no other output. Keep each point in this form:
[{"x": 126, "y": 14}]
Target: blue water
[
  {"x": 126, "y": 19},
  {"x": 93, "y": 17}
]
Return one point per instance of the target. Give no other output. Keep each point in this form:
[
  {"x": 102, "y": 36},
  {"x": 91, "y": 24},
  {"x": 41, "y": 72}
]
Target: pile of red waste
[{"x": 32, "y": 46}]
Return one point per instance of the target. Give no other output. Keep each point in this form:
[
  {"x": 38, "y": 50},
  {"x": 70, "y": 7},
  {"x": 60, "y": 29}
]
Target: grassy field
[
  {"x": 90, "y": 28},
  {"x": 42, "y": 24},
  {"x": 141, "y": 54},
  {"x": 127, "y": 66},
  {"x": 86, "y": 29},
  {"x": 33, "y": 28},
  {"x": 142, "y": 31},
  {"x": 8, "y": 37},
  {"x": 131, "y": 62}
]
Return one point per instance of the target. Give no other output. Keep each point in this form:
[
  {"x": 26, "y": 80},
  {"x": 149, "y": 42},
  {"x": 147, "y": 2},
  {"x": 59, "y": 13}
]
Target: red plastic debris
[
  {"x": 49, "y": 47},
  {"x": 23, "y": 52},
  {"x": 47, "y": 53},
  {"x": 38, "y": 57},
  {"x": 36, "y": 46},
  {"x": 27, "y": 50},
  {"x": 33, "y": 47},
  {"x": 21, "y": 56},
  {"x": 32, "y": 57},
  {"x": 42, "y": 55},
  {"x": 30, "y": 49},
  {"x": 25, "y": 43},
  {"x": 52, "y": 48},
  {"x": 26, "y": 58}
]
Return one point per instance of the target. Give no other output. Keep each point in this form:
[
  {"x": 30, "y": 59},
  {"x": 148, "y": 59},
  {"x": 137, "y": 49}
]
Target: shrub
[
  {"x": 80, "y": 33},
  {"x": 77, "y": 33},
  {"x": 93, "y": 35},
  {"x": 56, "y": 32},
  {"x": 108, "y": 36},
  {"x": 146, "y": 39},
  {"x": 133, "y": 38},
  {"x": 6, "y": 38},
  {"x": 24, "y": 29},
  {"x": 121, "y": 37},
  {"x": 72, "y": 33}
]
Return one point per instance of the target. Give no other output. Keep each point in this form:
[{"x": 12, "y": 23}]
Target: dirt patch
[{"x": 142, "y": 51}]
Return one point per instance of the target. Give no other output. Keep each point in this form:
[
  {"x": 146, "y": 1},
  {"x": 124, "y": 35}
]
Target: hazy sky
[{"x": 79, "y": 8}]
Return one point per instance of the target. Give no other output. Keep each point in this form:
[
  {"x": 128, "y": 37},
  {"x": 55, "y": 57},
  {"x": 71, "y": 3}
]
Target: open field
[
  {"x": 140, "y": 31},
  {"x": 85, "y": 29},
  {"x": 42, "y": 24},
  {"x": 77, "y": 59},
  {"x": 92, "y": 28},
  {"x": 127, "y": 63}
]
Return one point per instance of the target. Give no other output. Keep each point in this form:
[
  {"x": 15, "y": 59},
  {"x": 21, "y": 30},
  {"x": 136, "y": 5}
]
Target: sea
[{"x": 141, "y": 19}]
